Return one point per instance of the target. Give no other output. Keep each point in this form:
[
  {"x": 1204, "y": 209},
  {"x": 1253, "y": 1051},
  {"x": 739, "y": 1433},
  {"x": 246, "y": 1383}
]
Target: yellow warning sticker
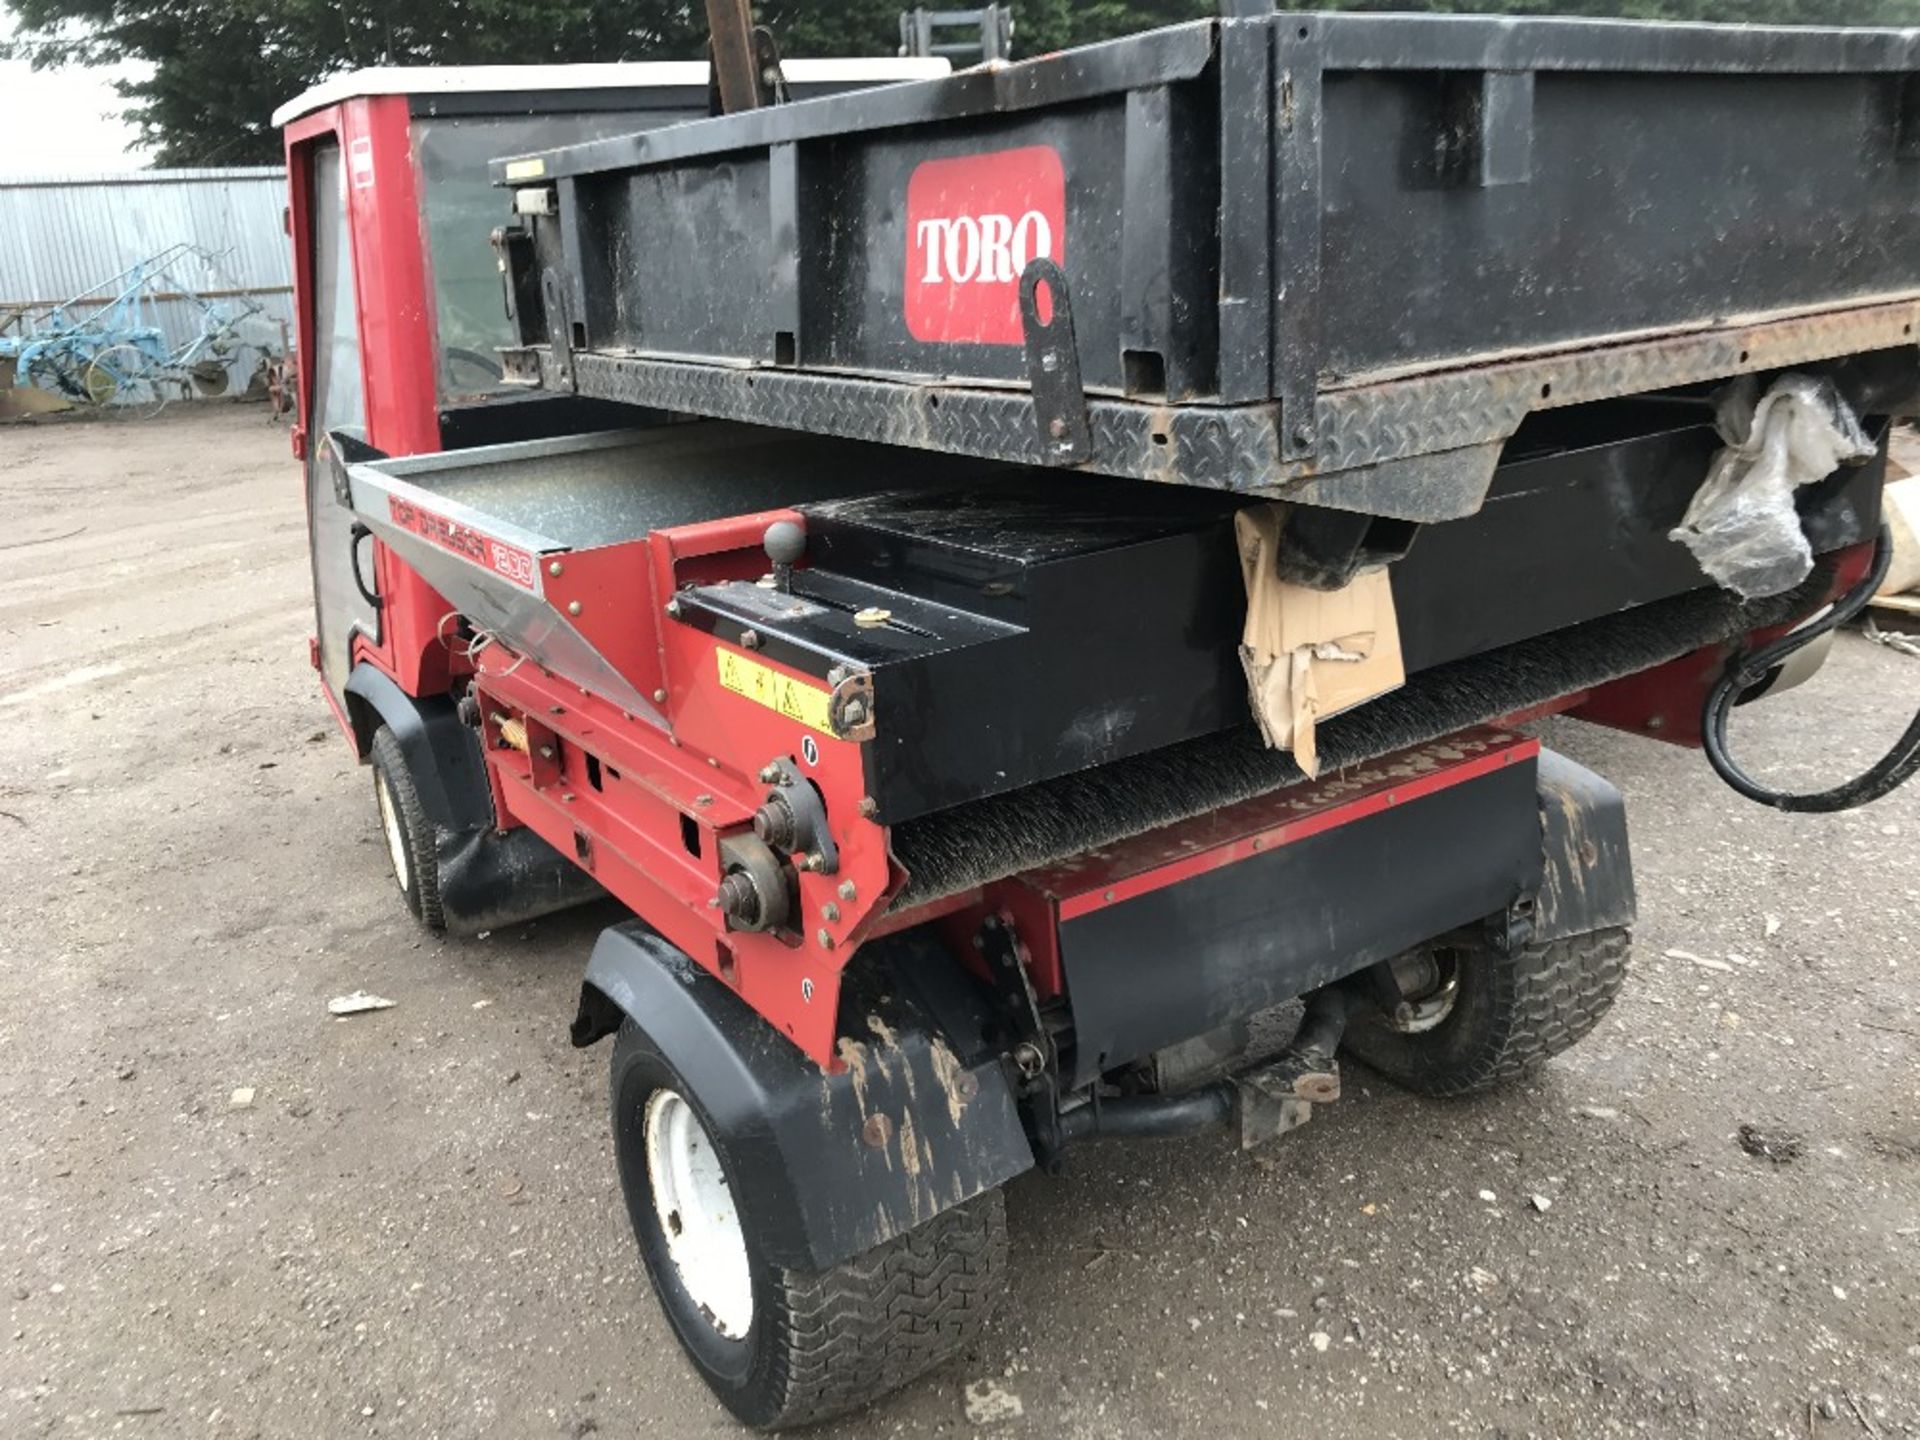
[
  {"x": 766, "y": 686},
  {"x": 531, "y": 169}
]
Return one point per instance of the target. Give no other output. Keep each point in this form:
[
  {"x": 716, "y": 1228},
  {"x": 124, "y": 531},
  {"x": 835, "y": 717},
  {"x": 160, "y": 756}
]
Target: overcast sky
[{"x": 55, "y": 121}]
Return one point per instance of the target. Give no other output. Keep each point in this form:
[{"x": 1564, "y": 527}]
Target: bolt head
[
  {"x": 830, "y": 912},
  {"x": 749, "y": 639},
  {"x": 554, "y": 567},
  {"x": 826, "y": 940},
  {"x": 573, "y": 607},
  {"x": 847, "y": 892},
  {"x": 673, "y": 609},
  {"x": 659, "y": 697}
]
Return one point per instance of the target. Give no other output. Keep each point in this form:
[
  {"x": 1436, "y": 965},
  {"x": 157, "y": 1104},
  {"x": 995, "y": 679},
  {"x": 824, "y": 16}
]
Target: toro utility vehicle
[{"x": 1011, "y": 575}]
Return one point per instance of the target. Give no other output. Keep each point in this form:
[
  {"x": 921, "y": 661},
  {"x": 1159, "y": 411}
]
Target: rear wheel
[
  {"x": 783, "y": 1347},
  {"x": 1475, "y": 1017},
  {"x": 407, "y": 831}
]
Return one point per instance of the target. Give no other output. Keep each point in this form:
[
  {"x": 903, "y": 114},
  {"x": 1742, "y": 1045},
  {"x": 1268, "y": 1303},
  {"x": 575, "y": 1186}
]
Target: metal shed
[{"x": 60, "y": 235}]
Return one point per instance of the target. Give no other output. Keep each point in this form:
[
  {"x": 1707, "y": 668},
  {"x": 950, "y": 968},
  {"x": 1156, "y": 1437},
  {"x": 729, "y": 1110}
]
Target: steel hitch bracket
[{"x": 1261, "y": 1103}]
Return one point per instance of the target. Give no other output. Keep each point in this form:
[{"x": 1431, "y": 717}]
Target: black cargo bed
[{"x": 1339, "y": 257}]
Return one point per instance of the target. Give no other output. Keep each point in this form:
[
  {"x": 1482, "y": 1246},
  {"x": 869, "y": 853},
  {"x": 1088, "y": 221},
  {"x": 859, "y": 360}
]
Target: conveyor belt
[{"x": 986, "y": 840}]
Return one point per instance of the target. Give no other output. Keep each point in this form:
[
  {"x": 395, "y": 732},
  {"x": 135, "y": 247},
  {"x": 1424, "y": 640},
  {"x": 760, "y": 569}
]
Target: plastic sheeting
[{"x": 1742, "y": 525}]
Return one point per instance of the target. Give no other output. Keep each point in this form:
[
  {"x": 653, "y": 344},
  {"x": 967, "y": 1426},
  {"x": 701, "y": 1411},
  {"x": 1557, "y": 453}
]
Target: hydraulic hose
[{"x": 1881, "y": 778}]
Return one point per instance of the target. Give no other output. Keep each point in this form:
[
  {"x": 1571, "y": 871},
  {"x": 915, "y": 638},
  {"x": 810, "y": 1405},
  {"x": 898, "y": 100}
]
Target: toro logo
[{"x": 973, "y": 223}]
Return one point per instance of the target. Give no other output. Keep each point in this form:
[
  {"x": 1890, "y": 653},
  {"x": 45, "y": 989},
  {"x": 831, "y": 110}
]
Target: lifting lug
[{"x": 1053, "y": 365}]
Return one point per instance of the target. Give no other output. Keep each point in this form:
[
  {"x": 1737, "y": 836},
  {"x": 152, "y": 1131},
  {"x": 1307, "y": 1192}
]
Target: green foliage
[{"x": 220, "y": 66}]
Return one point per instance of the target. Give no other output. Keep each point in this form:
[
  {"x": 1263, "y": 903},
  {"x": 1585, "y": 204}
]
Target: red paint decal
[
  {"x": 508, "y": 561},
  {"x": 973, "y": 224}
]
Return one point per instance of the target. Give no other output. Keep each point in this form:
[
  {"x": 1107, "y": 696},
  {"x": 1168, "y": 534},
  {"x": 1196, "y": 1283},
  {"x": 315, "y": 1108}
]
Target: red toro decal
[
  {"x": 973, "y": 223},
  {"x": 508, "y": 561}
]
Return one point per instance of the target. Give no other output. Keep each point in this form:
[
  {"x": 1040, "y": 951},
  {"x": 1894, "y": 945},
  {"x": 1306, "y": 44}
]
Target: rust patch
[{"x": 1161, "y": 460}]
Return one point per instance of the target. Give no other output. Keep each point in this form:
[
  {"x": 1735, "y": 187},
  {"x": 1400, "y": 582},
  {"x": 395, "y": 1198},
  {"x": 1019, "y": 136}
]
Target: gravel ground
[{"x": 414, "y": 1228}]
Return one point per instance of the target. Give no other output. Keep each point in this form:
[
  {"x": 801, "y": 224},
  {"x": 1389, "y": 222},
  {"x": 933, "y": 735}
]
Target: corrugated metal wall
[{"x": 62, "y": 235}]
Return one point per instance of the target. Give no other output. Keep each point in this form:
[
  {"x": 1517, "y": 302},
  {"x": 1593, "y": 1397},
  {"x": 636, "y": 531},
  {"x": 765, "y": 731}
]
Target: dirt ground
[{"x": 414, "y": 1228}]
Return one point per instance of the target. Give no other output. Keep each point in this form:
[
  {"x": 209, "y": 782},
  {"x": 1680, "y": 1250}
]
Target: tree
[{"x": 221, "y": 66}]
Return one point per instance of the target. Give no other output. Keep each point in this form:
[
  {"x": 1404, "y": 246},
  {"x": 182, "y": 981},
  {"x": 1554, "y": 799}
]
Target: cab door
[{"x": 344, "y": 581}]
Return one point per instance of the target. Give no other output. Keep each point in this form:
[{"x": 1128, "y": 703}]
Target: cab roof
[{"x": 523, "y": 80}]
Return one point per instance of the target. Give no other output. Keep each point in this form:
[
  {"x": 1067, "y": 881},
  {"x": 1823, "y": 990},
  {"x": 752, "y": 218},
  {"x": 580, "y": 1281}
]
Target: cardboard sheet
[
  {"x": 1310, "y": 654},
  {"x": 1901, "y": 509}
]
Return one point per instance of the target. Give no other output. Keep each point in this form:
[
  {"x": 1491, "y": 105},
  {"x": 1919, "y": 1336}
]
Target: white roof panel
[{"x": 631, "y": 75}]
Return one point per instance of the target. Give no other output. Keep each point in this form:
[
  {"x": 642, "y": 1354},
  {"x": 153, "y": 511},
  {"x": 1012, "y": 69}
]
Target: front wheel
[
  {"x": 781, "y": 1347},
  {"x": 411, "y": 848},
  {"x": 1475, "y": 1016}
]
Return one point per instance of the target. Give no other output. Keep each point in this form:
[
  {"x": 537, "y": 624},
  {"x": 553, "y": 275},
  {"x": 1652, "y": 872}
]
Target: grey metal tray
[{"x": 482, "y": 526}]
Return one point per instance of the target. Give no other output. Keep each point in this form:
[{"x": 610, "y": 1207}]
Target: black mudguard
[
  {"x": 1586, "y": 878},
  {"x": 488, "y": 878},
  {"x": 919, "y": 1117}
]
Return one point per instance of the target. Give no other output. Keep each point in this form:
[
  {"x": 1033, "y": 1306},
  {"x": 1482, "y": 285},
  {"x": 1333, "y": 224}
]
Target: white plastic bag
[{"x": 1742, "y": 526}]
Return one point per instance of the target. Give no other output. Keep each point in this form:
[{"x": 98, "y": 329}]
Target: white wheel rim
[
  {"x": 694, "y": 1204},
  {"x": 396, "y": 839}
]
